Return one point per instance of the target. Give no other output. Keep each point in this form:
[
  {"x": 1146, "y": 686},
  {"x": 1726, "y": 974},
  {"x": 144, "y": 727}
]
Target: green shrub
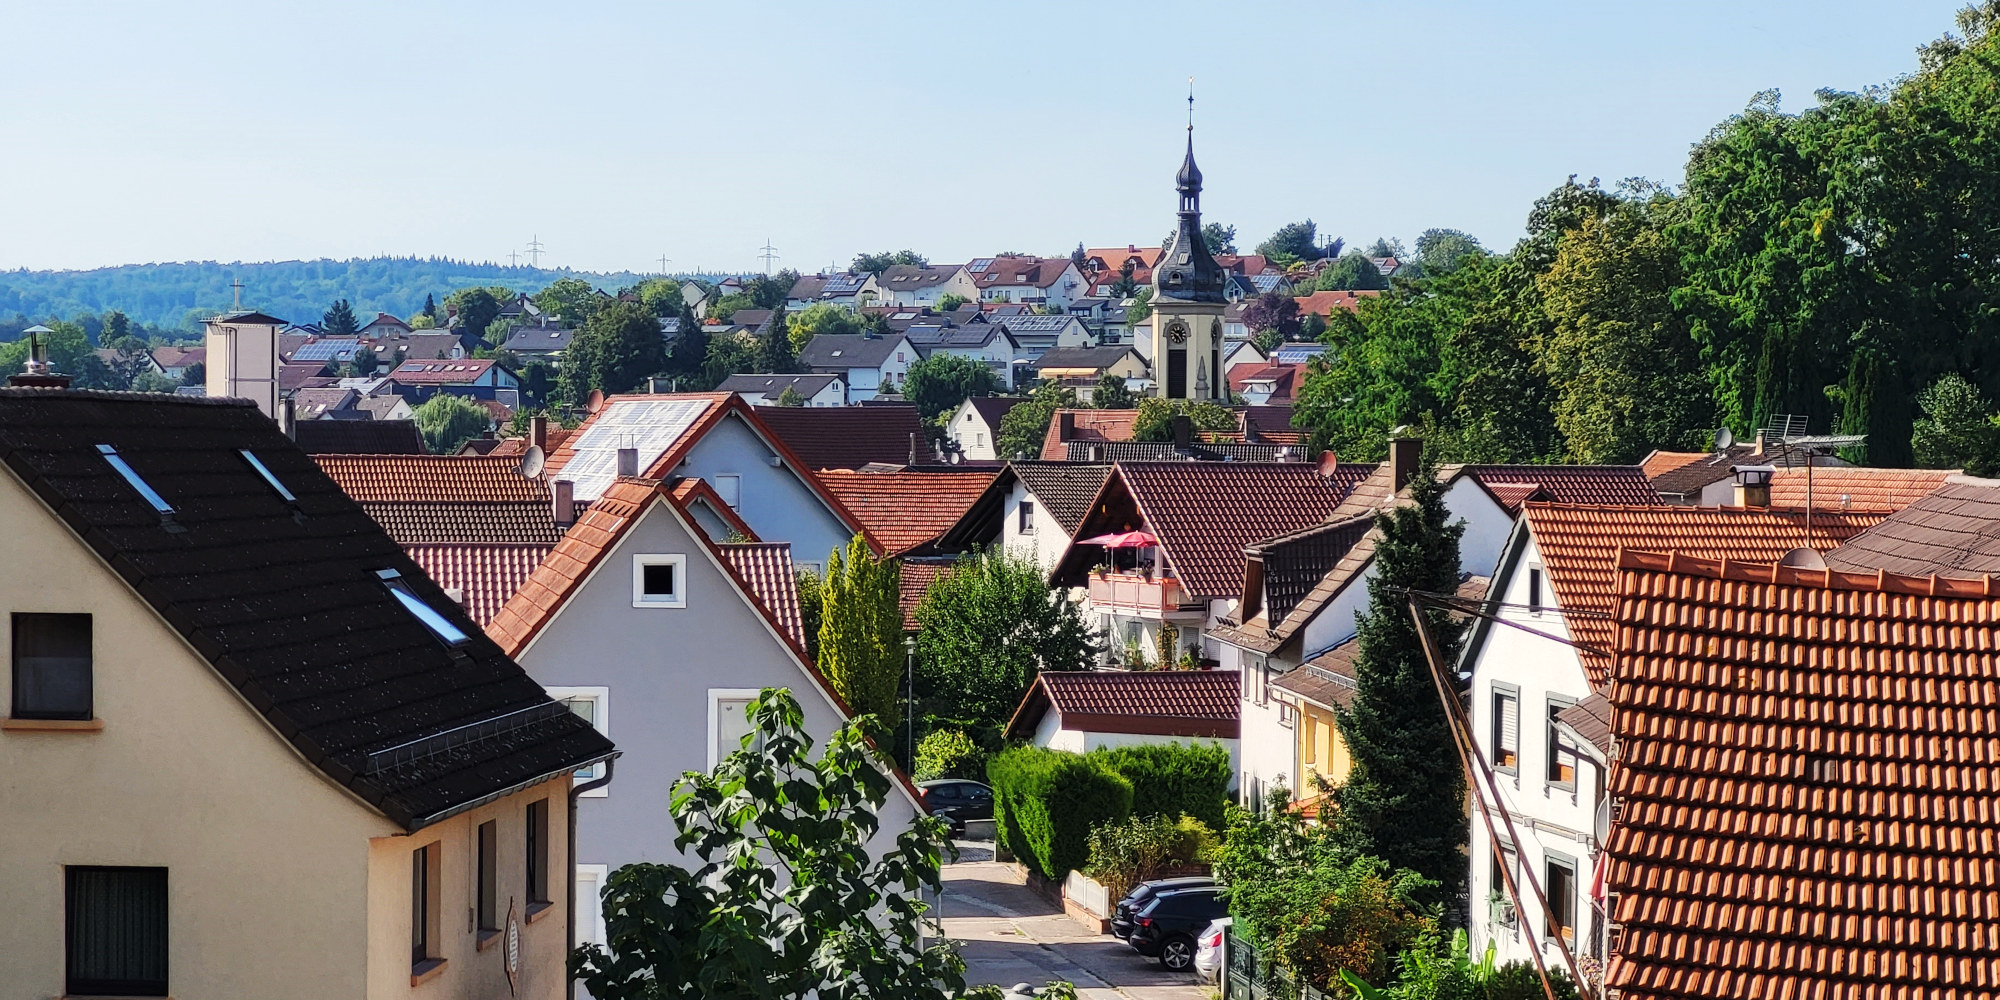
[
  {"x": 948, "y": 753},
  {"x": 1174, "y": 779},
  {"x": 1123, "y": 855},
  {"x": 1046, "y": 802}
]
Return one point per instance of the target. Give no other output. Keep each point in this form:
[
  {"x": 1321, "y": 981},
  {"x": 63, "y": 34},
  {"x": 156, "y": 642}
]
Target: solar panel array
[
  {"x": 335, "y": 349},
  {"x": 1297, "y": 354},
  {"x": 650, "y": 425}
]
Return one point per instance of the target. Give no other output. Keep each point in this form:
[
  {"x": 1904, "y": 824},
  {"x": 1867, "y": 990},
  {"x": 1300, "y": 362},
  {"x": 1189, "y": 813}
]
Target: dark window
[
  {"x": 1562, "y": 756},
  {"x": 1506, "y": 729},
  {"x": 116, "y": 931},
  {"x": 489, "y": 875},
  {"x": 420, "y": 904},
  {"x": 974, "y": 793},
  {"x": 1534, "y": 588},
  {"x": 1177, "y": 373},
  {"x": 433, "y": 619},
  {"x": 1561, "y": 891},
  {"x": 1027, "y": 516},
  {"x": 538, "y": 851},
  {"x": 52, "y": 666},
  {"x": 659, "y": 579}
]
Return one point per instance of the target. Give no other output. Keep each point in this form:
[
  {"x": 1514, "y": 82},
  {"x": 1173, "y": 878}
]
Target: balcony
[{"x": 1148, "y": 596}]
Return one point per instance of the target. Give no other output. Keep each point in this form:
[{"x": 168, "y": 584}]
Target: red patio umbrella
[{"x": 1123, "y": 540}]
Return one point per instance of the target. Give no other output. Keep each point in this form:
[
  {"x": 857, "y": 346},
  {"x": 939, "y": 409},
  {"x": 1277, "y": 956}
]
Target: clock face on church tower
[{"x": 1177, "y": 332}]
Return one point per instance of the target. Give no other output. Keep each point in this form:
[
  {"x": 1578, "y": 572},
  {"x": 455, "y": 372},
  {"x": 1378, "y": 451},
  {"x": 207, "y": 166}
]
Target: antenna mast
[
  {"x": 535, "y": 250},
  {"x": 770, "y": 254},
  {"x": 664, "y": 259}
]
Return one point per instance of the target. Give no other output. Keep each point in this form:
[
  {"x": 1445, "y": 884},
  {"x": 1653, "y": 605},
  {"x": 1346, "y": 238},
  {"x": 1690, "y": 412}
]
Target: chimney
[
  {"x": 1329, "y": 464},
  {"x": 913, "y": 447},
  {"x": 288, "y": 418},
  {"x": 628, "y": 462},
  {"x": 1183, "y": 431},
  {"x": 1753, "y": 485},
  {"x": 1065, "y": 425},
  {"x": 563, "y": 499},
  {"x": 1249, "y": 428},
  {"x": 1758, "y": 448},
  {"x": 538, "y": 433},
  {"x": 1406, "y": 450},
  {"x": 38, "y": 373}
]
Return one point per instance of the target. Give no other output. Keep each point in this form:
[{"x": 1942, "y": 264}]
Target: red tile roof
[
  {"x": 1579, "y": 546},
  {"x": 1667, "y": 461},
  {"x": 1848, "y": 486},
  {"x": 1204, "y": 513},
  {"x": 518, "y": 446},
  {"x": 1284, "y": 379},
  {"x": 847, "y": 437},
  {"x": 1196, "y": 704},
  {"x": 432, "y": 477},
  {"x": 698, "y": 491},
  {"x": 1087, "y": 425},
  {"x": 1324, "y": 303},
  {"x": 767, "y": 568},
  {"x": 482, "y": 576},
  {"x": 1803, "y": 783},
  {"x": 916, "y": 577},
  {"x": 583, "y": 546},
  {"x": 907, "y": 510},
  {"x": 447, "y": 371}
]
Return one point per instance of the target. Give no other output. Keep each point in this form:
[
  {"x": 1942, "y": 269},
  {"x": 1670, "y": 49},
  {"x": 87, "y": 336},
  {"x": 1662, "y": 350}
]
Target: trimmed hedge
[
  {"x": 1046, "y": 802},
  {"x": 1174, "y": 779}
]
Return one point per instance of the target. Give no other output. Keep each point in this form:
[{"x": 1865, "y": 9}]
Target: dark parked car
[
  {"x": 1165, "y": 927},
  {"x": 1141, "y": 894},
  {"x": 957, "y": 800}
]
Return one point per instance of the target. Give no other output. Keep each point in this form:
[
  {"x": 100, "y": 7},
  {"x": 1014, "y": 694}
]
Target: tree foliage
[
  {"x": 448, "y": 421},
  {"x": 338, "y": 320},
  {"x": 786, "y": 901},
  {"x": 1958, "y": 430},
  {"x": 1403, "y": 800},
  {"x": 985, "y": 629},
  {"x": 1155, "y": 419},
  {"x": 1175, "y": 779},
  {"x": 861, "y": 632},
  {"x": 823, "y": 318},
  {"x": 477, "y": 307},
  {"x": 616, "y": 350},
  {"x": 572, "y": 301},
  {"x": 1350, "y": 272},
  {"x": 1294, "y": 241},
  {"x": 1024, "y": 428},
  {"x": 939, "y": 383},
  {"x": 1110, "y": 393},
  {"x": 948, "y": 753},
  {"x": 876, "y": 263},
  {"x": 1274, "y": 311},
  {"x": 1046, "y": 803},
  {"x": 1440, "y": 250},
  {"x": 774, "y": 345}
]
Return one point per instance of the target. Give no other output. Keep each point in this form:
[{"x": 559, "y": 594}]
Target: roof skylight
[
  {"x": 258, "y": 464},
  {"x": 439, "y": 625},
  {"x": 132, "y": 479}
]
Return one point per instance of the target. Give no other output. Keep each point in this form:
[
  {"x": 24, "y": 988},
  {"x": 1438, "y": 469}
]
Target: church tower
[{"x": 1188, "y": 301}]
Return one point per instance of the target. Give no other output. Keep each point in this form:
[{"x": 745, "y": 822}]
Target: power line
[
  {"x": 535, "y": 250},
  {"x": 770, "y": 254}
]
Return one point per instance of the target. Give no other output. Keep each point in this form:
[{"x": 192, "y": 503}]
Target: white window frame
[
  {"x": 590, "y": 908},
  {"x": 716, "y": 696},
  {"x": 640, "y": 599},
  {"x": 725, "y": 486},
  {"x": 600, "y": 719}
]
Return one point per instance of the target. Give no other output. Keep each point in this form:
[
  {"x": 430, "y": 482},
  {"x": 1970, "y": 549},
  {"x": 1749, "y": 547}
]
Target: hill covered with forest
[{"x": 176, "y": 296}]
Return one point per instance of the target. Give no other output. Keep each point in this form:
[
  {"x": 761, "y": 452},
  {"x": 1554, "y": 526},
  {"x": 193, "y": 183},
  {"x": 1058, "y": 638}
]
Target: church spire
[
  {"x": 1189, "y": 179},
  {"x": 1187, "y": 272}
]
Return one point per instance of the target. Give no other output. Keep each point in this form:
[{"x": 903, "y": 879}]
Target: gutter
[{"x": 610, "y": 768}]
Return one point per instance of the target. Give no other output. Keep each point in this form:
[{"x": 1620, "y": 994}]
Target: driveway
[{"x": 1009, "y": 935}]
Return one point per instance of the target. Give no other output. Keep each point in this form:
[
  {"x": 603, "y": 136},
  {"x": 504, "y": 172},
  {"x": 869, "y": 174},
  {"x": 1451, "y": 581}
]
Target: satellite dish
[
  {"x": 1602, "y": 826},
  {"x": 957, "y": 456},
  {"x": 594, "y": 402},
  {"x": 1724, "y": 439},
  {"x": 1803, "y": 558},
  {"x": 532, "y": 462}
]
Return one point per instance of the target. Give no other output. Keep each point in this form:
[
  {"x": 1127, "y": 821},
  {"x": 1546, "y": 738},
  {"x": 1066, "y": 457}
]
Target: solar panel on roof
[
  {"x": 650, "y": 425},
  {"x": 980, "y": 264}
]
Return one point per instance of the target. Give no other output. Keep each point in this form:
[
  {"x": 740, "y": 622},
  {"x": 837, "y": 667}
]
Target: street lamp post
[{"x": 910, "y": 698}]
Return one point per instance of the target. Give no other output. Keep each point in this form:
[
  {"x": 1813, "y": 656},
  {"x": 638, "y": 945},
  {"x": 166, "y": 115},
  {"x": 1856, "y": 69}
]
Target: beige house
[{"x": 217, "y": 783}]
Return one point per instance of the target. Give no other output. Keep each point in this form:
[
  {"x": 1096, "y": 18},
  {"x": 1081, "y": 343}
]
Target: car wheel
[{"x": 1177, "y": 954}]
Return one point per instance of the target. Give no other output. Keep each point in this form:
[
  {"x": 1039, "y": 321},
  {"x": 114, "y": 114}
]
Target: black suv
[
  {"x": 1165, "y": 927},
  {"x": 1143, "y": 893},
  {"x": 956, "y": 800}
]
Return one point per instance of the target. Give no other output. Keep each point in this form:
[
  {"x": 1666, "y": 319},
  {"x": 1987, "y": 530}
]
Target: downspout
[{"x": 610, "y": 767}]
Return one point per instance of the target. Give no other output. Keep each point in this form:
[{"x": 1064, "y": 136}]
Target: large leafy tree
[
  {"x": 819, "y": 318},
  {"x": 477, "y": 307},
  {"x": 786, "y": 900},
  {"x": 1404, "y": 799},
  {"x": 1110, "y": 393},
  {"x": 690, "y": 348},
  {"x": 876, "y": 263},
  {"x": 572, "y": 301},
  {"x": 1276, "y": 312},
  {"x": 1350, "y": 272},
  {"x": 861, "y": 631},
  {"x": 985, "y": 629},
  {"x": 1294, "y": 241},
  {"x": 1023, "y": 428},
  {"x": 774, "y": 344},
  {"x": 939, "y": 383},
  {"x": 1440, "y": 250},
  {"x": 448, "y": 421},
  {"x": 1957, "y": 430},
  {"x": 615, "y": 351}
]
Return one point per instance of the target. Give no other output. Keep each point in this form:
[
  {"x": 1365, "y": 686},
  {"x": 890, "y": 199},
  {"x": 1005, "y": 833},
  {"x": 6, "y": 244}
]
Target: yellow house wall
[
  {"x": 1321, "y": 750},
  {"x": 280, "y": 883}
]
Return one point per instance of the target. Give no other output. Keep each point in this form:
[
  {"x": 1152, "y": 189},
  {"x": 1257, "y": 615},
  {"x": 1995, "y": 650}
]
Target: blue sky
[{"x": 621, "y": 131}]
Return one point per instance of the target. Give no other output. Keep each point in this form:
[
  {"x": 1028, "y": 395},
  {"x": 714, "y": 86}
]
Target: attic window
[
  {"x": 257, "y": 464},
  {"x": 439, "y": 625},
  {"x": 132, "y": 479}
]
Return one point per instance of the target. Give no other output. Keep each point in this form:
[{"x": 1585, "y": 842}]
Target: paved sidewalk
[{"x": 1009, "y": 935}]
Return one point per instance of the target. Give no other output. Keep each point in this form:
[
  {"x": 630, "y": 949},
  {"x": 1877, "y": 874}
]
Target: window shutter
[{"x": 1510, "y": 724}]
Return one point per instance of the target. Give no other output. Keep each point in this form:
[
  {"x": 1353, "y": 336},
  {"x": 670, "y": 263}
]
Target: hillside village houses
[{"x": 606, "y": 597}]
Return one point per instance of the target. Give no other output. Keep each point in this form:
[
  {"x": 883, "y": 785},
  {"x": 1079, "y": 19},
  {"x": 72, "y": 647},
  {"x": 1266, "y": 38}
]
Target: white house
[
  {"x": 987, "y": 342},
  {"x": 1537, "y": 692},
  {"x": 1050, "y": 281},
  {"x": 1030, "y": 510},
  {"x": 974, "y": 429},
  {"x": 1037, "y": 333},
  {"x": 851, "y": 290},
  {"x": 769, "y": 390},
  {"x": 1081, "y": 711},
  {"x": 869, "y": 364},
  {"x": 924, "y": 284}
]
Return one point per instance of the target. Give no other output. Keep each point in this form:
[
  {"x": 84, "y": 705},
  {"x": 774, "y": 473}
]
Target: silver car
[{"x": 1208, "y": 949}]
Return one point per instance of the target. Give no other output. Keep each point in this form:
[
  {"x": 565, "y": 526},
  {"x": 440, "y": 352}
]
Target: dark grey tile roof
[
  {"x": 844, "y": 351},
  {"x": 976, "y": 335},
  {"x": 1164, "y": 451},
  {"x": 284, "y": 601},
  {"x": 1081, "y": 357},
  {"x": 1066, "y": 490},
  {"x": 1590, "y": 719},
  {"x": 1953, "y": 531},
  {"x": 1295, "y": 563},
  {"x": 768, "y": 386},
  {"x": 1688, "y": 480}
]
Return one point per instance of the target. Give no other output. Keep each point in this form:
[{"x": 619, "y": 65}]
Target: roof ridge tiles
[{"x": 1880, "y": 581}]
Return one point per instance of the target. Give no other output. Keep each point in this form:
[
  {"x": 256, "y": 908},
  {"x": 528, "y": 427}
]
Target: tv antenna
[
  {"x": 535, "y": 251},
  {"x": 770, "y": 254},
  {"x": 1791, "y": 429}
]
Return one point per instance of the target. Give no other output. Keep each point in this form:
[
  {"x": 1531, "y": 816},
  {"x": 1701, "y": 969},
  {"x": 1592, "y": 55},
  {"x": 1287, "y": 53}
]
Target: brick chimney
[
  {"x": 1406, "y": 450},
  {"x": 1753, "y": 485},
  {"x": 1183, "y": 431},
  {"x": 538, "y": 433},
  {"x": 628, "y": 462},
  {"x": 562, "y": 501}
]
